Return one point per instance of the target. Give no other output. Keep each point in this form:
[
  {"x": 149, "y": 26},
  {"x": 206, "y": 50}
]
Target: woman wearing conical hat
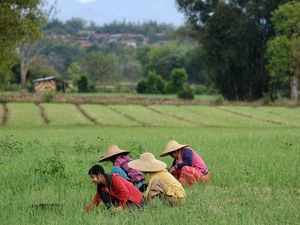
[
  {"x": 188, "y": 167},
  {"x": 160, "y": 182},
  {"x": 120, "y": 160}
]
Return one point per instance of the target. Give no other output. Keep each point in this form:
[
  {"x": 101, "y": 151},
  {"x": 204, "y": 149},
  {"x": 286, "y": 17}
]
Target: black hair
[{"x": 96, "y": 170}]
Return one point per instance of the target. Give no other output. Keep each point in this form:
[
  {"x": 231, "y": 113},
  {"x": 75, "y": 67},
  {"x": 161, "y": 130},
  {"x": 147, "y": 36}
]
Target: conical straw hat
[
  {"x": 111, "y": 151},
  {"x": 171, "y": 147},
  {"x": 147, "y": 163}
]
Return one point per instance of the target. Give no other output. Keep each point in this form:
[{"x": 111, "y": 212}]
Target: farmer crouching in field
[
  {"x": 113, "y": 190},
  {"x": 120, "y": 161},
  {"x": 188, "y": 167},
  {"x": 160, "y": 182}
]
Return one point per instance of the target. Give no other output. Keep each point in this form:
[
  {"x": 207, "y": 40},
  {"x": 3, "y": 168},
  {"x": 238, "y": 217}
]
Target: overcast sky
[{"x": 106, "y": 11}]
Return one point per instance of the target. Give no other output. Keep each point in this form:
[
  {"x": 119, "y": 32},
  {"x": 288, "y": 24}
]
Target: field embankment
[{"x": 136, "y": 99}]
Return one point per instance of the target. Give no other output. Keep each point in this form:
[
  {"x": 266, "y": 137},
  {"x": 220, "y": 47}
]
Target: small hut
[{"x": 45, "y": 84}]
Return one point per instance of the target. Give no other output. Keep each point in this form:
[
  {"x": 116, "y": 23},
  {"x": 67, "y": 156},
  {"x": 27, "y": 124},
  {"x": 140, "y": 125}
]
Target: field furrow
[
  {"x": 208, "y": 115},
  {"x": 152, "y": 118},
  {"x": 64, "y": 114},
  {"x": 87, "y": 115},
  {"x": 290, "y": 116},
  {"x": 282, "y": 117},
  {"x": 105, "y": 116},
  {"x": 43, "y": 114}
]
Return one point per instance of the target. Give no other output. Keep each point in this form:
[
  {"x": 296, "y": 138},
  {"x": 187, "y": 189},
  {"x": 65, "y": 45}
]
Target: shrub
[
  {"x": 219, "y": 100},
  {"x": 186, "y": 93},
  {"x": 12, "y": 87},
  {"x": 266, "y": 99},
  {"x": 52, "y": 167},
  {"x": 155, "y": 83},
  {"x": 201, "y": 89},
  {"x": 82, "y": 84},
  {"x": 178, "y": 79},
  {"x": 48, "y": 96},
  {"x": 152, "y": 84},
  {"x": 142, "y": 86}
]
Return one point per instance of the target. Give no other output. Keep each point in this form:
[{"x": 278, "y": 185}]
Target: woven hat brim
[
  {"x": 107, "y": 157},
  {"x": 166, "y": 152},
  {"x": 147, "y": 166}
]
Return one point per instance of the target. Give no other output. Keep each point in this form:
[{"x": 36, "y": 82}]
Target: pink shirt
[{"x": 189, "y": 157}]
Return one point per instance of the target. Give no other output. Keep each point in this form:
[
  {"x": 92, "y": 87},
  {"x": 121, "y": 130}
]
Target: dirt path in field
[
  {"x": 86, "y": 115},
  {"x": 4, "y": 117},
  {"x": 43, "y": 113},
  {"x": 176, "y": 117},
  {"x": 251, "y": 116},
  {"x": 130, "y": 117}
]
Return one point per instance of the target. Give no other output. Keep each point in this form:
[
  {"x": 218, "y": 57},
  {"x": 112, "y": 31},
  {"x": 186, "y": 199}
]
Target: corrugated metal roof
[{"x": 44, "y": 79}]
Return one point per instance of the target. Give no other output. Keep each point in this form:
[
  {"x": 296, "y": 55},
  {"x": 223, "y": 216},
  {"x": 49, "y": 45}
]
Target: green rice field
[{"x": 253, "y": 154}]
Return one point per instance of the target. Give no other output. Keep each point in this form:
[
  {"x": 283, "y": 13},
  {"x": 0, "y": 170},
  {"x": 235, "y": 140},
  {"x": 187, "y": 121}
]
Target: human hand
[
  {"x": 88, "y": 207},
  {"x": 117, "y": 209}
]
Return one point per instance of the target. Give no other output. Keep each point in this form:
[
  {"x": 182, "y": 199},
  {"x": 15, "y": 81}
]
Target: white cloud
[{"x": 86, "y": 1}]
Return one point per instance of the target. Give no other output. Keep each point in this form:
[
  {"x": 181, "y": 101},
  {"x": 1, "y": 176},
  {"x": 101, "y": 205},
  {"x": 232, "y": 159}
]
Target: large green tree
[
  {"x": 233, "y": 35},
  {"x": 101, "y": 67},
  {"x": 18, "y": 19},
  {"x": 161, "y": 58},
  {"x": 284, "y": 50}
]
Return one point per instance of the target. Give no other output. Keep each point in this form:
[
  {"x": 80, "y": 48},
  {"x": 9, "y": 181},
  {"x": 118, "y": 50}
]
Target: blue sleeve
[{"x": 187, "y": 157}]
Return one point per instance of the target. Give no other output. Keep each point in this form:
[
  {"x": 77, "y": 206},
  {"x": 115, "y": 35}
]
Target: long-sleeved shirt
[
  {"x": 122, "y": 190},
  {"x": 188, "y": 157},
  {"x": 133, "y": 175},
  {"x": 174, "y": 188}
]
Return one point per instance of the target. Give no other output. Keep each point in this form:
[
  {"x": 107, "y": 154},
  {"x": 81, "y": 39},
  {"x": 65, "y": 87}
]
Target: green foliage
[
  {"x": 162, "y": 59},
  {"x": 101, "y": 67},
  {"x": 74, "y": 71},
  {"x": 283, "y": 50},
  {"x": 141, "y": 86},
  {"x": 61, "y": 54},
  {"x": 82, "y": 84},
  {"x": 10, "y": 146},
  {"x": 178, "y": 79},
  {"x": 40, "y": 67},
  {"x": 155, "y": 83},
  {"x": 20, "y": 20},
  {"x": 233, "y": 35},
  {"x": 219, "y": 100},
  {"x": 50, "y": 168},
  {"x": 286, "y": 19},
  {"x": 267, "y": 99},
  {"x": 152, "y": 84},
  {"x": 186, "y": 93},
  {"x": 194, "y": 64},
  {"x": 78, "y": 77},
  {"x": 279, "y": 53},
  {"x": 48, "y": 97},
  {"x": 201, "y": 89},
  {"x": 74, "y": 25}
]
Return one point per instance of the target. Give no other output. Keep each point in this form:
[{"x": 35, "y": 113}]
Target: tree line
[{"x": 242, "y": 49}]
